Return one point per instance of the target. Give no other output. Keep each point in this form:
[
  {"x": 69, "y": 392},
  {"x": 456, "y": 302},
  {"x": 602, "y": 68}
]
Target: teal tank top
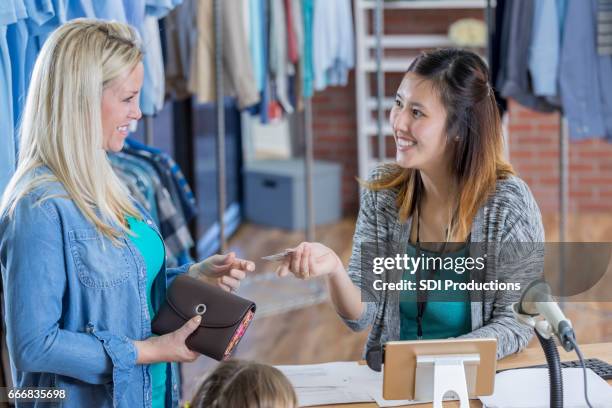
[
  {"x": 441, "y": 319},
  {"x": 151, "y": 248}
]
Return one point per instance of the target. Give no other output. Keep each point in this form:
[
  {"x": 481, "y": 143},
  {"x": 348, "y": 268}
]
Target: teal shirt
[
  {"x": 151, "y": 248},
  {"x": 442, "y": 318}
]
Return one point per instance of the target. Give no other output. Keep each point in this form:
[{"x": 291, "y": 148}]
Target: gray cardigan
[{"x": 510, "y": 215}]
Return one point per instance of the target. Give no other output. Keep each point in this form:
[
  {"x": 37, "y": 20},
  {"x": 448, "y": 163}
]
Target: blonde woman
[
  {"x": 83, "y": 265},
  {"x": 245, "y": 384}
]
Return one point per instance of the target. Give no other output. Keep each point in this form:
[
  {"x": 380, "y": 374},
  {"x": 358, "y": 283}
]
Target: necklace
[{"x": 421, "y": 303}]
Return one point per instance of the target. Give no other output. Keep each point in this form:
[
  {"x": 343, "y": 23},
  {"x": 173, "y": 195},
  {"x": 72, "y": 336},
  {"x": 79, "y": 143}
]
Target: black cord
[
  {"x": 579, "y": 353},
  {"x": 555, "y": 373}
]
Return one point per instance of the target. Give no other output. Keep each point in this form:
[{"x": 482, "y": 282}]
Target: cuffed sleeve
[
  {"x": 172, "y": 273},
  {"x": 366, "y": 319},
  {"x": 123, "y": 355}
]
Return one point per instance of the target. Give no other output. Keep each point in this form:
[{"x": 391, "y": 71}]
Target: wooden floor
[{"x": 316, "y": 334}]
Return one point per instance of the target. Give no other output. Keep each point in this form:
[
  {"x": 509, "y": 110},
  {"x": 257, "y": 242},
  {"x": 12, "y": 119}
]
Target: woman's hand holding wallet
[
  {"x": 169, "y": 347},
  {"x": 223, "y": 271}
]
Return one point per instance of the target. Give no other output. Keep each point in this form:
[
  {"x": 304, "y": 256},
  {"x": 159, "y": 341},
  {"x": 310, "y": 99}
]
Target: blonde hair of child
[{"x": 245, "y": 384}]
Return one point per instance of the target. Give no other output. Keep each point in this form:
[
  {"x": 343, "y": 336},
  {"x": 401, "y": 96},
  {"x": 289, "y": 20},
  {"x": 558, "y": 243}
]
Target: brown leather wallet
[{"x": 225, "y": 316}]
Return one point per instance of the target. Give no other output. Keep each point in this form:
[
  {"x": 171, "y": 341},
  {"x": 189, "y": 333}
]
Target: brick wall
[
  {"x": 533, "y": 137},
  {"x": 534, "y": 152}
]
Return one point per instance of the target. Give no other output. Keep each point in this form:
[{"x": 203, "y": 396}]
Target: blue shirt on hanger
[
  {"x": 159, "y": 8},
  {"x": 7, "y": 144},
  {"x": 332, "y": 43},
  {"x": 308, "y": 76},
  {"x": 585, "y": 77},
  {"x": 256, "y": 33},
  {"x": 135, "y": 13},
  {"x": 109, "y": 10},
  {"x": 153, "y": 89},
  {"x": 10, "y": 12},
  {"x": 545, "y": 47}
]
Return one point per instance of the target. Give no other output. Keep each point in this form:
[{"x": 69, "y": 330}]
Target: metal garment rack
[
  {"x": 148, "y": 130},
  {"x": 221, "y": 175},
  {"x": 220, "y": 110}
]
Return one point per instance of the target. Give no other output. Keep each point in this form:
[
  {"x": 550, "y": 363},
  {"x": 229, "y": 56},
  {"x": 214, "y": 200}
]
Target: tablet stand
[{"x": 438, "y": 374}]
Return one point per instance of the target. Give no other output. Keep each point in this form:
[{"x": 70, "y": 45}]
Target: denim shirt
[
  {"x": 585, "y": 77},
  {"x": 73, "y": 308}
]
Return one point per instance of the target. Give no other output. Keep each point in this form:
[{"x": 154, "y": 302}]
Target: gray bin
[{"x": 275, "y": 195}]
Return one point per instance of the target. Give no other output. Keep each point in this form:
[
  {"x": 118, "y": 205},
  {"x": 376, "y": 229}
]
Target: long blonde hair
[
  {"x": 61, "y": 126},
  {"x": 245, "y": 384}
]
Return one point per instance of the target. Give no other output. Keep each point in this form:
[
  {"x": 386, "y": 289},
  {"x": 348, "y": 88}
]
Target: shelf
[
  {"x": 372, "y": 103},
  {"x": 402, "y": 49},
  {"x": 431, "y": 4},
  {"x": 372, "y": 130},
  {"x": 390, "y": 64},
  {"x": 411, "y": 41}
]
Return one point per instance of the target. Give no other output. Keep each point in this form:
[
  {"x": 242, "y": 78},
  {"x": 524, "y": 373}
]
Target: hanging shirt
[
  {"x": 333, "y": 43},
  {"x": 180, "y": 31},
  {"x": 265, "y": 93},
  {"x": 7, "y": 144},
  {"x": 545, "y": 48},
  {"x": 308, "y": 71},
  {"x": 153, "y": 87},
  {"x": 292, "y": 50},
  {"x": 109, "y": 10},
  {"x": 585, "y": 77},
  {"x": 298, "y": 26},
  {"x": 11, "y": 12},
  {"x": 514, "y": 76},
  {"x": 255, "y": 38},
  {"x": 238, "y": 72},
  {"x": 160, "y": 8},
  {"x": 134, "y": 13},
  {"x": 278, "y": 53}
]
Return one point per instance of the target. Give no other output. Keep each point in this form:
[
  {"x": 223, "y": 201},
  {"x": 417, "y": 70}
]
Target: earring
[{"x": 457, "y": 138}]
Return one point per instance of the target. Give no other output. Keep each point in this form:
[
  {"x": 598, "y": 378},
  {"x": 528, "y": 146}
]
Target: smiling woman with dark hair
[{"x": 450, "y": 185}]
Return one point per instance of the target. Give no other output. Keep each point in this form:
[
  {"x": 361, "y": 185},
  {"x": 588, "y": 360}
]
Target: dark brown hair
[
  {"x": 245, "y": 384},
  {"x": 473, "y": 130}
]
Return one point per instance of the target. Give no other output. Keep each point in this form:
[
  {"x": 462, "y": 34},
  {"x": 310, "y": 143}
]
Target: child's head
[{"x": 245, "y": 384}]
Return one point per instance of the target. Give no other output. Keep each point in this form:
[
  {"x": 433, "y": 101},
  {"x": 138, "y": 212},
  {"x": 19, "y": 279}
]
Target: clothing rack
[
  {"x": 221, "y": 175},
  {"x": 563, "y": 175},
  {"x": 563, "y": 155}
]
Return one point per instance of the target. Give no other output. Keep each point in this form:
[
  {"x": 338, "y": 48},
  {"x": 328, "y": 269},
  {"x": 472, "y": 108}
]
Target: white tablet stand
[{"x": 438, "y": 374}]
